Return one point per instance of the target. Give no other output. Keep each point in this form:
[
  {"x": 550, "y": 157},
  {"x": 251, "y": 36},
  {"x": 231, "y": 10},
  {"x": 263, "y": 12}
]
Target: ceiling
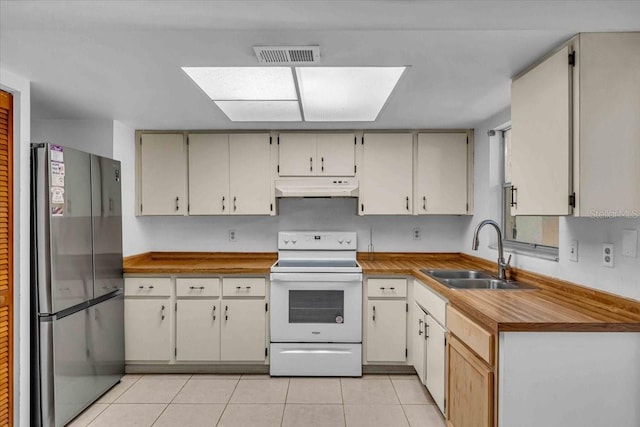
[{"x": 121, "y": 60}]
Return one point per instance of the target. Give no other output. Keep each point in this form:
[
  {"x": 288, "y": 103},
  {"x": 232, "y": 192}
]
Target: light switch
[
  {"x": 573, "y": 251},
  {"x": 629, "y": 243}
]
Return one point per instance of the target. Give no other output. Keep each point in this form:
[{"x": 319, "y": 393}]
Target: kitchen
[{"x": 460, "y": 59}]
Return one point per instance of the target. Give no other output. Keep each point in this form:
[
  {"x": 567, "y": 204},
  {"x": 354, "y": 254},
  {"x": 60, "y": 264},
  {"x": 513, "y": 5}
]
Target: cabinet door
[
  {"x": 147, "y": 329},
  {"x": 386, "y": 184},
  {"x": 198, "y": 330},
  {"x": 436, "y": 352},
  {"x": 163, "y": 174},
  {"x": 208, "y": 174},
  {"x": 470, "y": 392},
  {"x": 386, "y": 331},
  {"x": 442, "y": 173},
  {"x": 250, "y": 175},
  {"x": 336, "y": 154},
  {"x": 540, "y": 138},
  {"x": 243, "y": 335},
  {"x": 419, "y": 342},
  {"x": 297, "y": 154}
]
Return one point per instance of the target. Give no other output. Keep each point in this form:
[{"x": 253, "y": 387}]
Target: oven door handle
[{"x": 356, "y": 278}]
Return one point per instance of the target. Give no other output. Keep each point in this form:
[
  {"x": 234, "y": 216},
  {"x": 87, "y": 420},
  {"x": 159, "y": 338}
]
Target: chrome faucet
[{"x": 502, "y": 265}]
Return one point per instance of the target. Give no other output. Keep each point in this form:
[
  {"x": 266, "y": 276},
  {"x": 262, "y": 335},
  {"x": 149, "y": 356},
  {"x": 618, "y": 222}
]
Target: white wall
[
  {"x": 93, "y": 136},
  {"x": 21, "y": 90},
  {"x": 259, "y": 233},
  {"x": 590, "y": 233}
]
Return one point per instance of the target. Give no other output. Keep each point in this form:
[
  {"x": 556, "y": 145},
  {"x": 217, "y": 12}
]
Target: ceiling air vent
[{"x": 287, "y": 54}]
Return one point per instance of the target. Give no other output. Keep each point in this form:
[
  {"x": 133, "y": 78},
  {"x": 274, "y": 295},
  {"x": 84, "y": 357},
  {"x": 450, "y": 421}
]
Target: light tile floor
[{"x": 261, "y": 401}]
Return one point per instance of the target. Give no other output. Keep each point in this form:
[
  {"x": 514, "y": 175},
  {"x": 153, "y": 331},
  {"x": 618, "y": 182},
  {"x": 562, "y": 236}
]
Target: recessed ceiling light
[
  {"x": 244, "y": 83},
  {"x": 345, "y": 94},
  {"x": 261, "y": 111}
]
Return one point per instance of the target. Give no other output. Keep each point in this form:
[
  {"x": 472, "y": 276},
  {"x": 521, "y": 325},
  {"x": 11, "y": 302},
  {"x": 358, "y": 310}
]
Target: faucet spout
[{"x": 502, "y": 265}]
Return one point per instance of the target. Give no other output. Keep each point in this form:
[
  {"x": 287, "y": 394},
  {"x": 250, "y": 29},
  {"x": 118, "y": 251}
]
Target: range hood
[{"x": 317, "y": 187}]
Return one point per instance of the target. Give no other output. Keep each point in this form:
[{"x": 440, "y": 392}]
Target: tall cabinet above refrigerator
[{"x": 77, "y": 321}]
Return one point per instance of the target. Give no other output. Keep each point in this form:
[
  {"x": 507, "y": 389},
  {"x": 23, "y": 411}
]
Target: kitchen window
[{"x": 535, "y": 235}]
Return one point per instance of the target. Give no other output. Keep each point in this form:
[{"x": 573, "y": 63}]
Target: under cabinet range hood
[{"x": 317, "y": 187}]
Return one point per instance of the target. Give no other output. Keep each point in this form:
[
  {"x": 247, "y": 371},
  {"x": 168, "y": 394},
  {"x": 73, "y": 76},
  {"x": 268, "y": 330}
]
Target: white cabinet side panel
[{"x": 579, "y": 379}]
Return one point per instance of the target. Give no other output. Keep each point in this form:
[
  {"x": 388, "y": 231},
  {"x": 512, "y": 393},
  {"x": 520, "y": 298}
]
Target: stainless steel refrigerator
[{"x": 77, "y": 305}]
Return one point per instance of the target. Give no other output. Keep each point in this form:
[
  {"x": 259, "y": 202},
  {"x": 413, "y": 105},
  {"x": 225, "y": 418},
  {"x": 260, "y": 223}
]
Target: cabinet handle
[
  {"x": 382, "y": 288},
  {"x": 322, "y": 164},
  {"x": 426, "y": 330},
  {"x": 234, "y": 203},
  {"x": 246, "y": 287},
  {"x": 214, "y": 312},
  {"x": 311, "y": 164},
  {"x": 197, "y": 287},
  {"x": 226, "y": 312},
  {"x": 407, "y": 202},
  {"x": 177, "y": 204},
  {"x": 374, "y": 313},
  {"x": 162, "y": 313},
  {"x": 424, "y": 203},
  {"x": 514, "y": 197},
  {"x": 223, "y": 203},
  {"x": 141, "y": 287},
  {"x": 420, "y": 326}
]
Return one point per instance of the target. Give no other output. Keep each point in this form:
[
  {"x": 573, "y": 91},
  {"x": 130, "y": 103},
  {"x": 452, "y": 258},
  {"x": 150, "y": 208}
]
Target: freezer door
[
  {"x": 65, "y": 196},
  {"x": 106, "y": 342},
  {"x": 107, "y": 225}
]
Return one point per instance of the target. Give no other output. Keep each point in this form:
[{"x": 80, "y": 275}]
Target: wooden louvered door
[{"x": 6, "y": 259}]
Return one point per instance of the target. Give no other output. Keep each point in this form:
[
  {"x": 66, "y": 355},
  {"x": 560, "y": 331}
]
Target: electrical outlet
[
  {"x": 417, "y": 233},
  {"x": 232, "y": 235},
  {"x": 607, "y": 255},
  {"x": 573, "y": 251}
]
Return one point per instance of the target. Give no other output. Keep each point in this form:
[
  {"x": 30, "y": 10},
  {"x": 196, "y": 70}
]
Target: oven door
[{"x": 316, "y": 307}]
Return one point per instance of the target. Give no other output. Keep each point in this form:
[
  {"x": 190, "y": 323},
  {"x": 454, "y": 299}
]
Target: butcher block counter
[{"x": 554, "y": 306}]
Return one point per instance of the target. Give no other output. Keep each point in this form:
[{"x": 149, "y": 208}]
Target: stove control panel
[{"x": 317, "y": 240}]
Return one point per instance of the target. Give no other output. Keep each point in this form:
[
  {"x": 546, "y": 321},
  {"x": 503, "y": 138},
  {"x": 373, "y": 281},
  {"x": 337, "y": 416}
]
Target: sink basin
[
  {"x": 457, "y": 274},
  {"x": 474, "y": 279},
  {"x": 489, "y": 283}
]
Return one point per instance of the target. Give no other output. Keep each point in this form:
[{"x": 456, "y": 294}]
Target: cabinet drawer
[
  {"x": 198, "y": 287},
  {"x": 473, "y": 335},
  {"x": 243, "y": 287},
  {"x": 387, "y": 288},
  {"x": 147, "y": 286},
  {"x": 430, "y": 301}
]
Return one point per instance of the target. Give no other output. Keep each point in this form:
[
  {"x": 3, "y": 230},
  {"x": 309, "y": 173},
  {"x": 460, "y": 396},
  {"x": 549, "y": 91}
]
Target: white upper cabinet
[
  {"x": 541, "y": 138},
  {"x": 208, "y": 174},
  {"x": 229, "y": 174},
  {"x": 575, "y": 129},
  {"x": 386, "y": 179},
  {"x": 441, "y": 176},
  {"x": 336, "y": 154},
  {"x": 311, "y": 154},
  {"x": 296, "y": 153},
  {"x": 250, "y": 175},
  {"x": 163, "y": 175}
]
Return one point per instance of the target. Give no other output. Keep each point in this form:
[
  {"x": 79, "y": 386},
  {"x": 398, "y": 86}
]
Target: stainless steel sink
[
  {"x": 474, "y": 279},
  {"x": 457, "y": 274}
]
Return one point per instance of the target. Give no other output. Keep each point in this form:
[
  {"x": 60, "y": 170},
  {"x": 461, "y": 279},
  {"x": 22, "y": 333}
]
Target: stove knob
[
  {"x": 293, "y": 241},
  {"x": 286, "y": 241},
  {"x": 348, "y": 241},
  {"x": 340, "y": 241}
]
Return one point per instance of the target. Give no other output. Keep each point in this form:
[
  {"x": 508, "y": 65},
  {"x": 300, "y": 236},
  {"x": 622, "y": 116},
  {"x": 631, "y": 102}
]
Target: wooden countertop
[{"x": 555, "y": 306}]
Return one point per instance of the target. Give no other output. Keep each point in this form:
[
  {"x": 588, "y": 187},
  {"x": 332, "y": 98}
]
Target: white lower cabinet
[
  {"x": 243, "y": 332},
  {"x": 148, "y": 329},
  {"x": 198, "y": 330},
  {"x": 435, "y": 363},
  {"x": 386, "y": 311}
]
